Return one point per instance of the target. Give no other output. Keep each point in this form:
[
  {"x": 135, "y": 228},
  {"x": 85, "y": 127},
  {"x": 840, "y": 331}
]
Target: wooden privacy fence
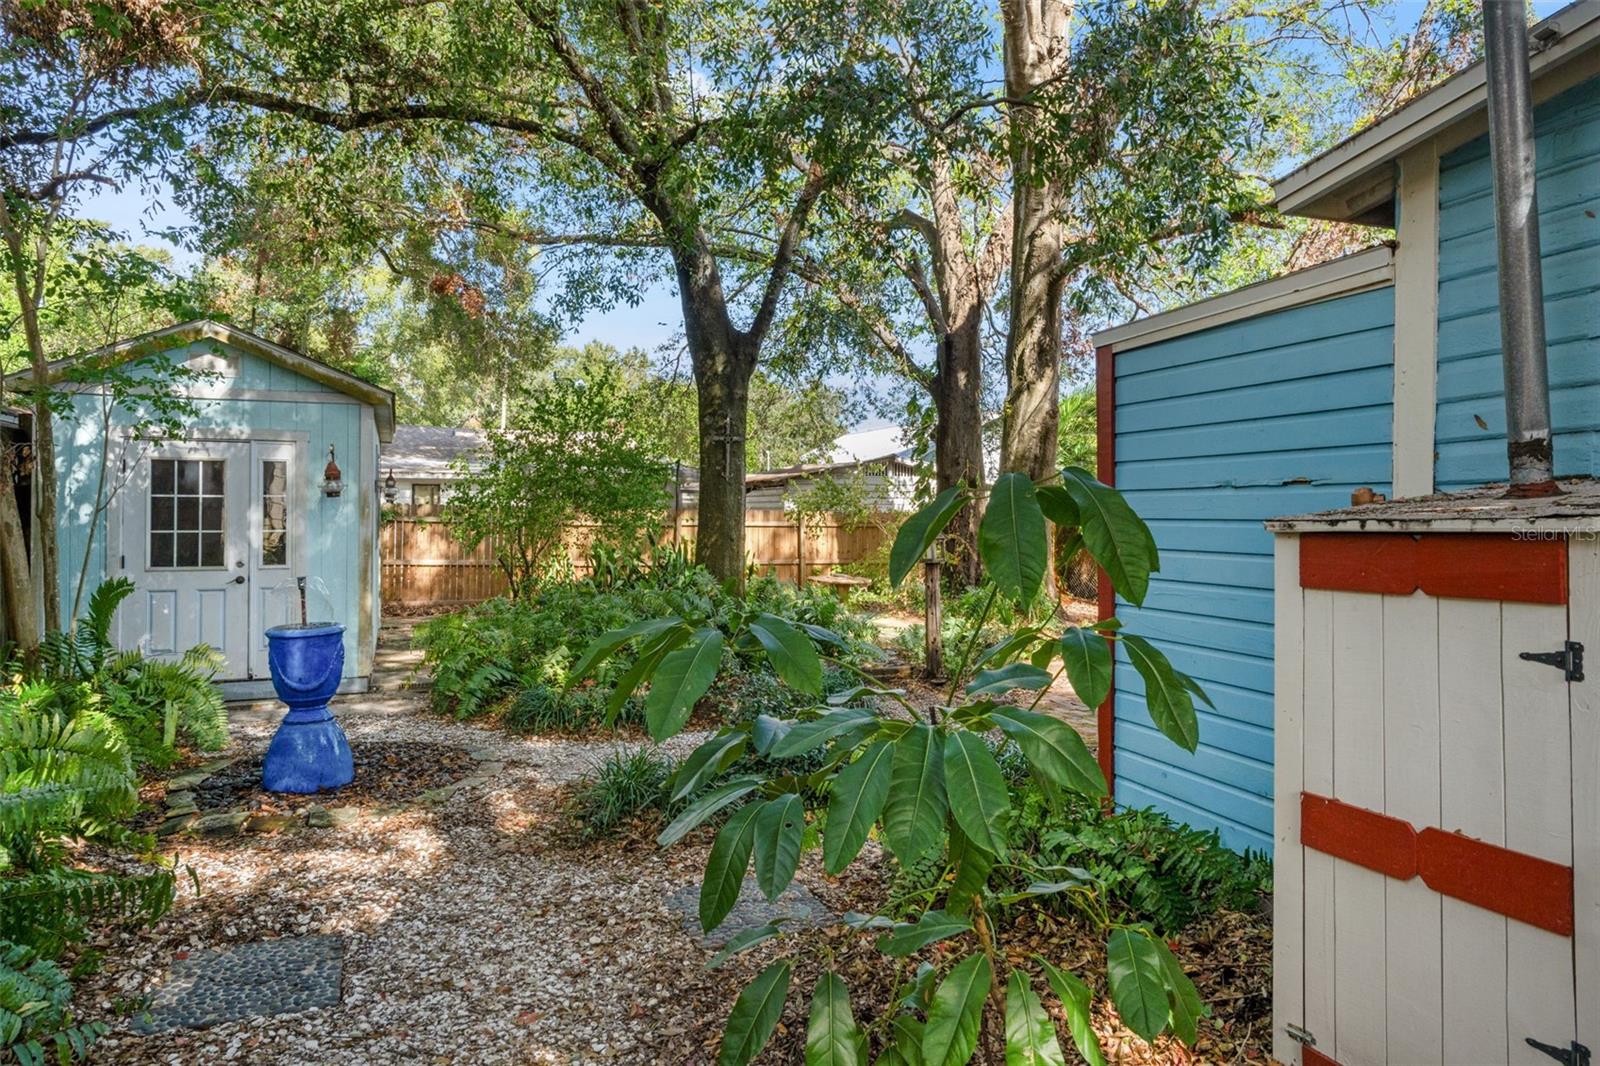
[{"x": 424, "y": 564}]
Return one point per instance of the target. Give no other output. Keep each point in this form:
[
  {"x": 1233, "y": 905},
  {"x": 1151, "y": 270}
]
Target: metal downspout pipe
[{"x": 1522, "y": 337}]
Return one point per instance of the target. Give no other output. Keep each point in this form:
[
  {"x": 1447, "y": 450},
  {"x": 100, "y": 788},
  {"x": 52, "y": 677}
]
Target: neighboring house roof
[
  {"x": 205, "y": 329},
  {"x": 893, "y": 464},
  {"x": 869, "y": 445},
  {"x": 428, "y": 452},
  {"x": 1354, "y": 181}
]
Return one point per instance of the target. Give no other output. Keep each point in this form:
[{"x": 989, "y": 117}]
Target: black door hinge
[
  {"x": 1573, "y": 1055},
  {"x": 1569, "y": 659}
]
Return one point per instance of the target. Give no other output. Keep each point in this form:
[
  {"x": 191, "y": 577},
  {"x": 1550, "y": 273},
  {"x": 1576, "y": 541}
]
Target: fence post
[
  {"x": 932, "y": 615},
  {"x": 800, "y": 551}
]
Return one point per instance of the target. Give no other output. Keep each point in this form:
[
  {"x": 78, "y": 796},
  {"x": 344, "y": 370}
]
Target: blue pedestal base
[{"x": 309, "y": 752}]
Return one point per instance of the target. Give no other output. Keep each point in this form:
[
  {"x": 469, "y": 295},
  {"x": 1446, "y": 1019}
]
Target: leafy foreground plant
[{"x": 926, "y": 781}]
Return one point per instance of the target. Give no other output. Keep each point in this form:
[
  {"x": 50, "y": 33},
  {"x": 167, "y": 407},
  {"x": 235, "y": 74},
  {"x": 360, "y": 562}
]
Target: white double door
[{"x": 212, "y": 536}]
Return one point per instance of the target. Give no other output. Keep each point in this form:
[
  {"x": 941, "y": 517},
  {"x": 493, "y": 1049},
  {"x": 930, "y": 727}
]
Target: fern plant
[{"x": 35, "y": 1015}]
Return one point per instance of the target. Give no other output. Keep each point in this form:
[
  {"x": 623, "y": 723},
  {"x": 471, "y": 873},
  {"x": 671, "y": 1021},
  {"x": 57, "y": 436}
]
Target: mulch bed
[{"x": 387, "y": 772}]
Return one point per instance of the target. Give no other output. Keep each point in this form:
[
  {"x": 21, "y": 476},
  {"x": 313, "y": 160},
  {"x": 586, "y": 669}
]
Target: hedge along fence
[{"x": 424, "y": 564}]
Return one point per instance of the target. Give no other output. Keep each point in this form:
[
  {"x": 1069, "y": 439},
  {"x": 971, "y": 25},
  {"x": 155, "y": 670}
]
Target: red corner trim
[
  {"x": 1529, "y": 889},
  {"x": 1468, "y": 566},
  {"x": 1105, "y": 405},
  {"x": 1512, "y": 883},
  {"x": 1355, "y": 834},
  {"x": 1310, "y": 1056}
]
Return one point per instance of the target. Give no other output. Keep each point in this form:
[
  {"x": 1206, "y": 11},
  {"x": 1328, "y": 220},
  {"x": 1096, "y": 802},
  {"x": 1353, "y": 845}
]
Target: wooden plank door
[{"x": 1436, "y": 873}]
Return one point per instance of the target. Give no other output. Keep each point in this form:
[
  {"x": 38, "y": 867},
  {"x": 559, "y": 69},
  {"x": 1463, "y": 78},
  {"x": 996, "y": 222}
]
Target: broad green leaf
[
  {"x": 1088, "y": 660},
  {"x": 855, "y": 692},
  {"x": 1030, "y": 1034},
  {"x": 908, "y": 1034},
  {"x": 1138, "y": 983},
  {"x": 766, "y": 731},
  {"x": 832, "y": 1036},
  {"x": 1075, "y": 998},
  {"x": 755, "y": 1015},
  {"x": 779, "y": 829},
  {"x": 908, "y": 938},
  {"x": 823, "y": 635},
  {"x": 1011, "y": 538},
  {"x": 793, "y": 655},
  {"x": 1059, "y": 507},
  {"x": 972, "y": 867},
  {"x": 725, "y": 867},
  {"x": 1117, "y": 538},
  {"x": 706, "y": 762},
  {"x": 918, "y": 532},
  {"x": 803, "y": 736},
  {"x": 914, "y": 815},
  {"x": 744, "y": 941},
  {"x": 1170, "y": 704},
  {"x": 1053, "y": 748},
  {"x": 858, "y": 794},
  {"x": 1193, "y": 687},
  {"x": 602, "y": 646},
  {"x": 704, "y": 807},
  {"x": 1006, "y": 678},
  {"x": 681, "y": 679},
  {"x": 1183, "y": 1000},
  {"x": 956, "y": 1012},
  {"x": 642, "y": 669},
  {"x": 1007, "y": 648},
  {"x": 977, "y": 790}
]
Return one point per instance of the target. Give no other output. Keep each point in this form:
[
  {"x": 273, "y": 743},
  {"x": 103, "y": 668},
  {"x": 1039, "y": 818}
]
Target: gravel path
[{"x": 475, "y": 931}]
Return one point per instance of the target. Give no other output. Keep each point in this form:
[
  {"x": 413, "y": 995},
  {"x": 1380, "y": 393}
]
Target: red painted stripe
[
  {"x": 1512, "y": 883},
  {"x": 1105, "y": 413},
  {"x": 1469, "y": 566},
  {"x": 1355, "y": 834},
  {"x": 1310, "y": 1056},
  {"x": 1529, "y": 889}
]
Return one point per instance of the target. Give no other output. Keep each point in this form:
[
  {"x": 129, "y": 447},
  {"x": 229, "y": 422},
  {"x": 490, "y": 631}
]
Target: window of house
[
  {"x": 274, "y": 512},
  {"x": 425, "y": 493},
  {"x": 186, "y": 520}
]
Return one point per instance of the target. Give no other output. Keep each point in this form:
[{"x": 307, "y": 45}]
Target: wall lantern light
[
  {"x": 389, "y": 487},
  {"x": 332, "y": 478}
]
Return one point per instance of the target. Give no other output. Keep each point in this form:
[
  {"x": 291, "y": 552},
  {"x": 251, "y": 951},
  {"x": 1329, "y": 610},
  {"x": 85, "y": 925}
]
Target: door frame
[{"x": 129, "y": 447}]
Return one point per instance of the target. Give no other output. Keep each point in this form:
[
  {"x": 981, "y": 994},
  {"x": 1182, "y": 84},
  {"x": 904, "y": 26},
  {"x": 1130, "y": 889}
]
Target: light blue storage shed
[
  {"x": 217, "y": 526},
  {"x": 1381, "y": 369}
]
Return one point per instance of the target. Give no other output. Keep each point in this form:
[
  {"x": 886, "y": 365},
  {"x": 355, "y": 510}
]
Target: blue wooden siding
[
  {"x": 333, "y": 531},
  {"x": 1216, "y": 432},
  {"x": 1470, "y": 381}
]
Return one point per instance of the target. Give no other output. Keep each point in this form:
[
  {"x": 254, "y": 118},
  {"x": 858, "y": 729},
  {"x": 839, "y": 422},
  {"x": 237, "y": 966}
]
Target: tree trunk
[
  {"x": 723, "y": 365},
  {"x": 1036, "y": 52},
  {"x": 22, "y": 621},
  {"x": 958, "y": 436},
  {"x": 44, "y": 502}
]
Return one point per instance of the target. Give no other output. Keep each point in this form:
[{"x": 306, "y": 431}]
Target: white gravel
[{"x": 477, "y": 931}]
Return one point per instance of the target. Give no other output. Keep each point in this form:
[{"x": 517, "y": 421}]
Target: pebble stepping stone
[
  {"x": 798, "y": 906},
  {"x": 262, "y": 978}
]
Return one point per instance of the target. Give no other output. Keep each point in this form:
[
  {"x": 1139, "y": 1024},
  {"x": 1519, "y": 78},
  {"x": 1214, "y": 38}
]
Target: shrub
[
  {"x": 1146, "y": 866},
  {"x": 480, "y": 657},
  {"x": 542, "y": 708},
  {"x": 623, "y": 785}
]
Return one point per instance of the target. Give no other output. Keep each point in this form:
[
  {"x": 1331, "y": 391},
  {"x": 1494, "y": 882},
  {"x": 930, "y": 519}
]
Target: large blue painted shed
[
  {"x": 1380, "y": 369},
  {"x": 216, "y": 526}
]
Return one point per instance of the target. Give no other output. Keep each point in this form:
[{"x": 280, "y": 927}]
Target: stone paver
[
  {"x": 796, "y": 908},
  {"x": 266, "y": 977}
]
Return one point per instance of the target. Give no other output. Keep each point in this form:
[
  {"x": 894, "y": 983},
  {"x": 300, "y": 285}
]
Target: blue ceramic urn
[{"x": 309, "y": 752}]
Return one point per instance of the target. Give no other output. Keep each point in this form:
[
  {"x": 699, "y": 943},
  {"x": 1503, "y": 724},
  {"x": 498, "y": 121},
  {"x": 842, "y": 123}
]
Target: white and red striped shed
[{"x": 1437, "y": 811}]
